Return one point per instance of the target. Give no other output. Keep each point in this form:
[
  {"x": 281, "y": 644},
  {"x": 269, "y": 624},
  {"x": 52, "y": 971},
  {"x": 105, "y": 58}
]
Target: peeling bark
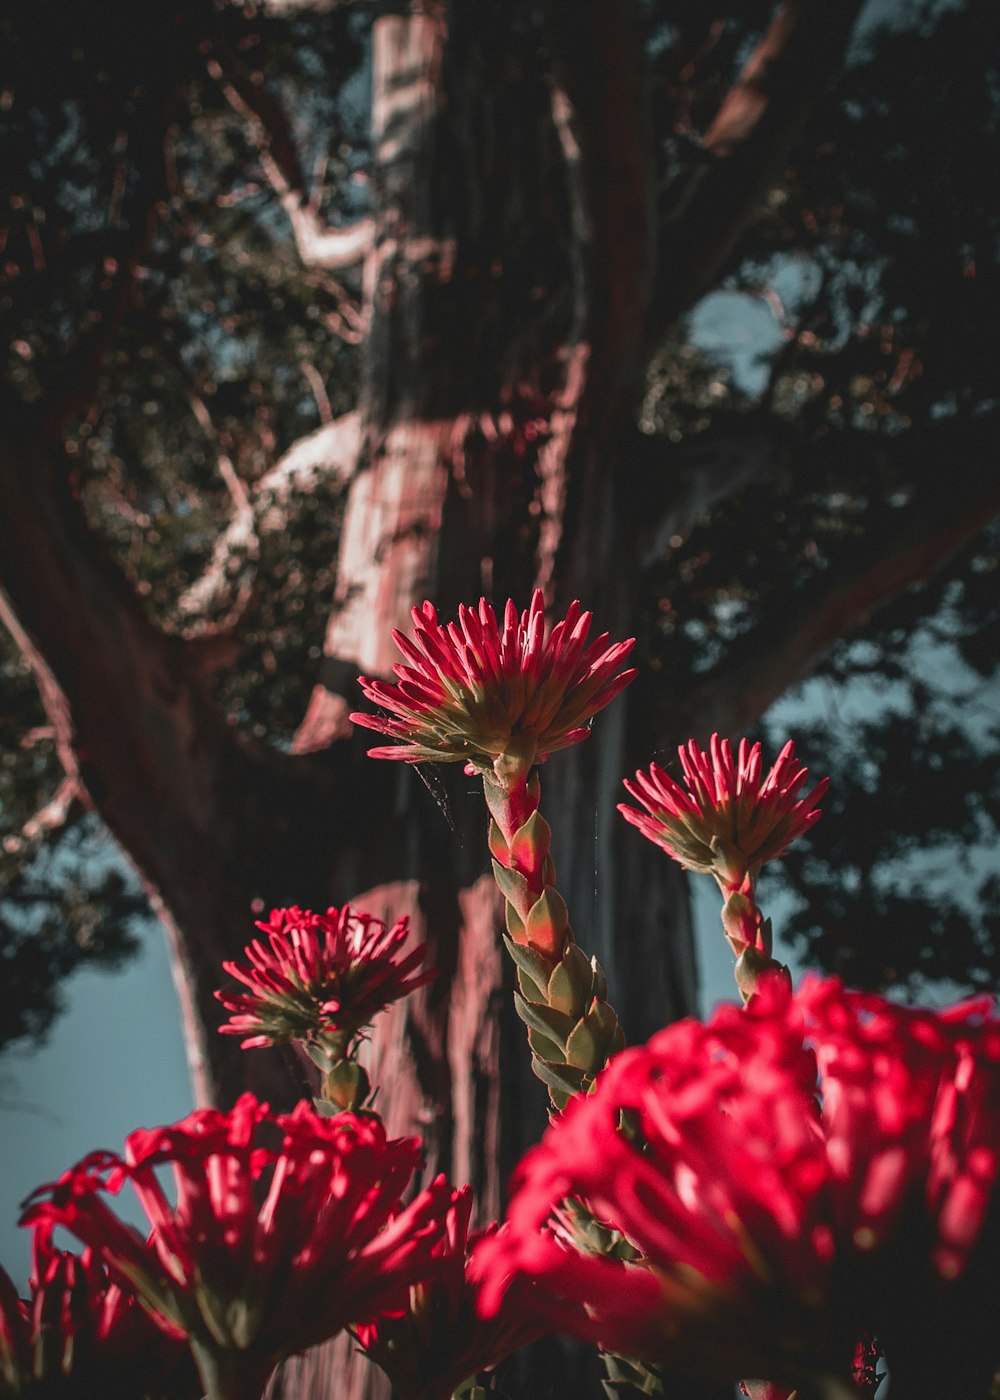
[
  {"x": 427, "y": 516},
  {"x": 326, "y": 456}
]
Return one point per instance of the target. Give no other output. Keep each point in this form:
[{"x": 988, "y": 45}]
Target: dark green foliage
[
  {"x": 898, "y": 884},
  {"x": 123, "y": 153},
  {"x": 119, "y": 143}
]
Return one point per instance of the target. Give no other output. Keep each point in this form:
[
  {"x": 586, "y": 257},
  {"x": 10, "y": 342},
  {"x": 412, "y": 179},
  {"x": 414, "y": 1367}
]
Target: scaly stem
[
  {"x": 345, "y": 1087},
  {"x": 519, "y": 839},
  {"x": 562, "y": 995},
  {"x": 749, "y": 935}
]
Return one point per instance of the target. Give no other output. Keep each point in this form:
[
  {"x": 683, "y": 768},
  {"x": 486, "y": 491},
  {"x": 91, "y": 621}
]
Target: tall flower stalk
[
  {"x": 501, "y": 698},
  {"x": 728, "y": 819}
]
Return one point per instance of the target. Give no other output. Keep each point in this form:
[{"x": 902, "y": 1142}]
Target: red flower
[
  {"x": 725, "y": 822},
  {"x": 911, "y": 1102},
  {"x": 475, "y": 692},
  {"x": 15, "y": 1338},
  {"x": 266, "y": 1251},
  {"x": 429, "y": 1348},
  {"x": 82, "y": 1336},
  {"x": 320, "y": 977},
  {"x": 772, "y": 1235}
]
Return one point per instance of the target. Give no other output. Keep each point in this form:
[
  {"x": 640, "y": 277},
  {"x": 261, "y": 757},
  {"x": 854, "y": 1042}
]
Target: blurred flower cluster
[{"x": 779, "y": 1196}]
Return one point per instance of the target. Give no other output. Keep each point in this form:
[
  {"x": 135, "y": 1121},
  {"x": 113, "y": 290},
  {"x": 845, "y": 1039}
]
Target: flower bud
[
  {"x": 741, "y": 920},
  {"x": 751, "y": 966}
]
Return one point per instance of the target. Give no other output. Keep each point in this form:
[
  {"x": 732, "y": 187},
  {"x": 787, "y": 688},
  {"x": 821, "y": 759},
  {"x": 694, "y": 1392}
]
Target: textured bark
[
  {"x": 203, "y": 815},
  {"x": 427, "y": 517}
]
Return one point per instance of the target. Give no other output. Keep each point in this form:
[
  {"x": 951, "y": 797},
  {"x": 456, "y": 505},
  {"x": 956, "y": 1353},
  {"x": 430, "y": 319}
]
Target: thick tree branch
[
  {"x": 744, "y": 150},
  {"x": 797, "y": 629},
  {"x": 318, "y": 244},
  {"x": 186, "y": 797},
  {"x": 326, "y": 456}
]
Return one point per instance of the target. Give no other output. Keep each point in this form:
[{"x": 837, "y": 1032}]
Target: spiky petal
[
  {"x": 437, "y": 1340},
  {"x": 726, "y": 819},
  {"x": 477, "y": 689},
  {"x": 81, "y": 1335},
  {"x": 320, "y": 977},
  {"x": 284, "y": 1229}
]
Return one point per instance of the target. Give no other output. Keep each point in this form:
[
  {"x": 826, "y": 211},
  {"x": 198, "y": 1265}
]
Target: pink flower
[
  {"x": 80, "y": 1336},
  {"x": 474, "y": 691},
  {"x": 438, "y": 1340},
  {"x": 725, "y": 821},
  {"x": 320, "y": 977},
  {"x": 267, "y": 1249},
  {"x": 774, "y": 1235}
]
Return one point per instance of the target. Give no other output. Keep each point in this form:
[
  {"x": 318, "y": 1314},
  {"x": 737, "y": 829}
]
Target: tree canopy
[{"x": 190, "y": 193}]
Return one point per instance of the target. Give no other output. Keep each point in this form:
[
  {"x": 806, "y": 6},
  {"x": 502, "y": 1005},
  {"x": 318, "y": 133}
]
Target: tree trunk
[{"x": 482, "y": 471}]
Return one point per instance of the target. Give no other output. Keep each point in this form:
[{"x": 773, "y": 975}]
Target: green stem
[
  {"x": 562, "y": 995},
  {"x": 470, "y": 1389},
  {"x": 749, "y": 935},
  {"x": 230, "y": 1374}
]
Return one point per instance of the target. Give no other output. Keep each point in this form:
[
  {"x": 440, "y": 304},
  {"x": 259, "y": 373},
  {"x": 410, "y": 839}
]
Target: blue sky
[{"x": 114, "y": 1062}]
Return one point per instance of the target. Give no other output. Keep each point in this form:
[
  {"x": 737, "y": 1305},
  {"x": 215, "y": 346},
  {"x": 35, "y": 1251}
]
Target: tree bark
[{"x": 483, "y": 469}]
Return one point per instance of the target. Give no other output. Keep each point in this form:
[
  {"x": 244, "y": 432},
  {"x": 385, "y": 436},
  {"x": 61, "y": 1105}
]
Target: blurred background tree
[{"x": 318, "y": 309}]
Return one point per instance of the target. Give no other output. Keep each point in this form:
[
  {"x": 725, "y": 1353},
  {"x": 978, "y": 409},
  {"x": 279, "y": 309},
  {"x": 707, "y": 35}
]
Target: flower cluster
[
  {"x": 776, "y": 1196},
  {"x": 266, "y": 1250},
  {"x": 911, "y": 1108},
  {"x": 477, "y": 692},
  {"x": 320, "y": 977},
  {"x": 775, "y": 1228},
  {"x": 80, "y": 1336},
  {"x": 726, "y": 821},
  {"x": 438, "y": 1340}
]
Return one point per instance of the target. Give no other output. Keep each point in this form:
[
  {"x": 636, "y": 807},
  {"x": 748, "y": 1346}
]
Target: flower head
[
  {"x": 477, "y": 692},
  {"x": 725, "y": 821},
  {"x": 80, "y": 1335},
  {"x": 320, "y": 977},
  {"x": 775, "y": 1227},
  {"x": 437, "y": 1340},
  {"x": 266, "y": 1249},
  {"x": 911, "y": 1107}
]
